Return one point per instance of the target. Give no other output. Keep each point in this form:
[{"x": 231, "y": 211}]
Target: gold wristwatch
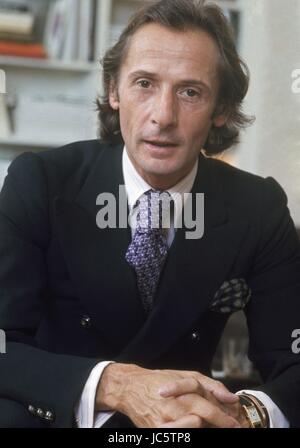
[{"x": 255, "y": 411}]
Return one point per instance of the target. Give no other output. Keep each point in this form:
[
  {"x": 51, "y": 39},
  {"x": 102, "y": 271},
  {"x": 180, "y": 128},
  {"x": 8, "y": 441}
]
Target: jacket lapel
[
  {"x": 96, "y": 257},
  {"x": 194, "y": 271}
]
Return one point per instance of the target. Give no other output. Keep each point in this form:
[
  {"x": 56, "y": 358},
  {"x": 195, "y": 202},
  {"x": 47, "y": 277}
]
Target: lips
[
  {"x": 160, "y": 149},
  {"x": 161, "y": 143}
]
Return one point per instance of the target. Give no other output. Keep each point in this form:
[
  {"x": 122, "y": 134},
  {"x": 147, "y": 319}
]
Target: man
[{"x": 118, "y": 326}]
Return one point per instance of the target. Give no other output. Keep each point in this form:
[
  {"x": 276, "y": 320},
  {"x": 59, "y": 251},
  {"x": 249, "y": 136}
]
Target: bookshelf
[
  {"x": 64, "y": 81},
  {"x": 58, "y": 78},
  {"x": 115, "y": 13},
  {"x": 65, "y": 66}
]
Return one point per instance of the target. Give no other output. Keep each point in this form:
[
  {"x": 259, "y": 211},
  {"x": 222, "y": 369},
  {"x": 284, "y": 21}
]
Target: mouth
[
  {"x": 160, "y": 149},
  {"x": 161, "y": 143}
]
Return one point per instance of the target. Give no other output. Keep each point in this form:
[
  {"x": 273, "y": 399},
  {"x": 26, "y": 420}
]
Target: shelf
[
  {"x": 34, "y": 144},
  {"x": 47, "y": 64}
]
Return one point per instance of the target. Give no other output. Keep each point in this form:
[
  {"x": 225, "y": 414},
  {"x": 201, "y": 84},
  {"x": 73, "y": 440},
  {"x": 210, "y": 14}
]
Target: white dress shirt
[{"x": 136, "y": 186}]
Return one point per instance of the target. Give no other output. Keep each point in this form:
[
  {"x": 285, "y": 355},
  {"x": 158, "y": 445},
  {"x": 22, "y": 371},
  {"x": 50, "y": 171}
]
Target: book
[
  {"x": 56, "y": 28},
  {"x": 26, "y": 50},
  {"x": 5, "y": 128},
  {"x": 17, "y": 37},
  {"x": 2, "y": 81},
  {"x": 85, "y": 29},
  {"x": 59, "y": 29},
  {"x": 92, "y": 31},
  {"x": 16, "y": 22},
  {"x": 70, "y": 47}
]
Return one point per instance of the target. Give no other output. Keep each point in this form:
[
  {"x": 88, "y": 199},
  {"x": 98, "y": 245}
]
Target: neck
[{"x": 164, "y": 181}]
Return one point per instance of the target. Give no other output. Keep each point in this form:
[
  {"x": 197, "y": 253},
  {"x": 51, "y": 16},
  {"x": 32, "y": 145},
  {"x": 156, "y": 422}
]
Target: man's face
[{"x": 166, "y": 96}]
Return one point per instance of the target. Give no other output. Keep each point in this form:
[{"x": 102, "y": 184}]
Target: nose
[{"x": 164, "y": 113}]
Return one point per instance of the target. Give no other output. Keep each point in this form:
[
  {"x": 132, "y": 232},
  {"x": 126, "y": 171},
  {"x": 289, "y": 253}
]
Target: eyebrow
[{"x": 146, "y": 74}]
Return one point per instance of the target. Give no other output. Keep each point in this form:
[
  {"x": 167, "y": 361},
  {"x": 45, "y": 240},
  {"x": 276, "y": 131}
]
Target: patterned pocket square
[{"x": 232, "y": 296}]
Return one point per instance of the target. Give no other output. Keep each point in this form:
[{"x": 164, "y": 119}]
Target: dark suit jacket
[{"x": 68, "y": 298}]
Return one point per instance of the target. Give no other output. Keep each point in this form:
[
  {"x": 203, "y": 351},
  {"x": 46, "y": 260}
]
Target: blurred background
[{"x": 50, "y": 75}]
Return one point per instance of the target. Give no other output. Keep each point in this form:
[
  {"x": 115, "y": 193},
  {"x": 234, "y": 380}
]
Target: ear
[
  {"x": 113, "y": 96},
  {"x": 219, "y": 120},
  {"x": 220, "y": 116}
]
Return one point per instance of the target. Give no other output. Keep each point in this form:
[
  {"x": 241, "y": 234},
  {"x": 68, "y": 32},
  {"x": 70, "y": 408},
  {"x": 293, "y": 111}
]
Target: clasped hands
[{"x": 168, "y": 398}]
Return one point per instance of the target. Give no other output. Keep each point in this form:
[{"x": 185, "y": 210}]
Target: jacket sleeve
[
  {"x": 30, "y": 377},
  {"x": 274, "y": 309}
]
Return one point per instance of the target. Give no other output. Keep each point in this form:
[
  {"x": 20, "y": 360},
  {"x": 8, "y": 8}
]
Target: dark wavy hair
[{"x": 233, "y": 73}]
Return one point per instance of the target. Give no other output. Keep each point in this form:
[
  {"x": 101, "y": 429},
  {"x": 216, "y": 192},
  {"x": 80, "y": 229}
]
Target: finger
[
  {"x": 181, "y": 387},
  {"x": 209, "y": 412},
  {"x": 188, "y": 421},
  {"x": 225, "y": 396},
  {"x": 219, "y": 390},
  {"x": 216, "y": 387},
  {"x": 229, "y": 408}
]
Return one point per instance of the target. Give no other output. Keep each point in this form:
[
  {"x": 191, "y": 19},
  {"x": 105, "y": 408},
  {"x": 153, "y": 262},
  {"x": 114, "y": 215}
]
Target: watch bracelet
[
  {"x": 261, "y": 409},
  {"x": 246, "y": 405}
]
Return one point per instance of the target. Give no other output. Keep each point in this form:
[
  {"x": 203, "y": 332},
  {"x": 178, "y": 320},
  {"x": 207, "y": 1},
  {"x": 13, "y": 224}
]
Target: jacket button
[
  {"x": 40, "y": 413},
  {"x": 85, "y": 322},
  {"x": 32, "y": 409},
  {"x": 49, "y": 416},
  {"x": 195, "y": 336}
]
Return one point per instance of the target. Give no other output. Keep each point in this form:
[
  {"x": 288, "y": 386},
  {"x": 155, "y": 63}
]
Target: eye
[
  {"x": 191, "y": 93},
  {"x": 144, "y": 83}
]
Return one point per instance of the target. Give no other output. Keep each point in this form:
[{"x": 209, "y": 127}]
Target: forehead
[{"x": 154, "y": 46}]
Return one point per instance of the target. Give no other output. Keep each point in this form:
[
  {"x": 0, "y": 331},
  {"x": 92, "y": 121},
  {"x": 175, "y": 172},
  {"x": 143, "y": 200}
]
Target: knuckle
[
  {"x": 231, "y": 423},
  {"x": 195, "y": 374},
  {"x": 197, "y": 421},
  {"x": 198, "y": 377},
  {"x": 195, "y": 383},
  {"x": 184, "y": 402},
  {"x": 209, "y": 414},
  {"x": 169, "y": 412},
  {"x": 167, "y": 415}
]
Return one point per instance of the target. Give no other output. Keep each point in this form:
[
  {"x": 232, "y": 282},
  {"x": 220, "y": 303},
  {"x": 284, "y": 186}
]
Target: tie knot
[{"x": 154, "y": 209}]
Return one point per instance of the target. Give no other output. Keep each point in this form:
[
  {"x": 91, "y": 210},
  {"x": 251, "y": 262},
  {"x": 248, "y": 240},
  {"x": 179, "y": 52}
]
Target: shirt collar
[{"x": 136, "y": 186}]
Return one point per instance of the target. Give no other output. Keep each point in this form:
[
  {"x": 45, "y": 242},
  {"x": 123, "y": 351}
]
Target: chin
[
  {"x": 164, "y": 177},
  {"x": 160, "y": 167}
]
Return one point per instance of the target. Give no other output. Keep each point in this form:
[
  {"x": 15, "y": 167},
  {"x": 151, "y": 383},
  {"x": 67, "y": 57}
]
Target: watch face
[{"x": 253, "y": 414}]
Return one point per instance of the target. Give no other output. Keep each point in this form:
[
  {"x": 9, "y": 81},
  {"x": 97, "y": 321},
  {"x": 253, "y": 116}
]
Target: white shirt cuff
[
  {"x": 277, "y": 419},
  {"x": 85, "y": 414}
]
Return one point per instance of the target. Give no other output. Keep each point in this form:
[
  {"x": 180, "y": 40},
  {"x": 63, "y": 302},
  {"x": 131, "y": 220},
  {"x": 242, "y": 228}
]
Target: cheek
[
  {"x": 133, "y": 117},
  {"x": 133, "y": 105},
  {"x": 194, "y": 129},
  {"x": 195, "y": 125},
  {"x": 139, "y": 102},
  {"x": 127, "y": 115}
]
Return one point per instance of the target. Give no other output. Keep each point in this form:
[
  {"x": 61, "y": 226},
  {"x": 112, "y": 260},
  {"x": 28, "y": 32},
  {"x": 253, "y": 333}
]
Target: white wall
[
  {"x": 270, "y": 46},
  {"x": 4, "y": 163}
]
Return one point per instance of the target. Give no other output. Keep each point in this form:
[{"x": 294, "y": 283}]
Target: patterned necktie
[{"x": 148, "y": 249}]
